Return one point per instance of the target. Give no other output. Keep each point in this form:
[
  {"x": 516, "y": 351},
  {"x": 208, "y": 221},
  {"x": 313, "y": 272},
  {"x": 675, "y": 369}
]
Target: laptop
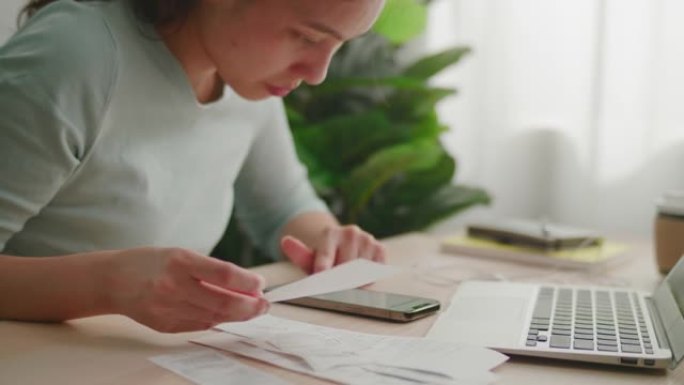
[{"x": 583, "y": 323}]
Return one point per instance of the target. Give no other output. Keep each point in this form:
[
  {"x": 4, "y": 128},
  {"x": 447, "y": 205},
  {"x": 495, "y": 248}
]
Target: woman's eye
[
  {"x": 309, "y": 40},
  {"x": 306, "y": 39}
]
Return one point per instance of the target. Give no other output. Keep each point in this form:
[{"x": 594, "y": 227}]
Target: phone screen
[{"x": 397, "y": 307}]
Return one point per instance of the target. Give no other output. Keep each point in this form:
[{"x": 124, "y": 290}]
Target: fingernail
[
  {"x": 261, "y": 284},
  {"x": 265, "y": 306}
]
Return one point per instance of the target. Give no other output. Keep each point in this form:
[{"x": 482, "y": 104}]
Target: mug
[{"x": 669, "y": 230}]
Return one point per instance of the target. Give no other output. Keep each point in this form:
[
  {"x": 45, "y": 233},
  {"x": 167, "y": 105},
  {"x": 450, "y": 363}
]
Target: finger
[
  {"x": 182, "y": 326},
  {"x": 262, "y": 307},
  {"x": 226, "y": 275},
  {"x": 239, "y": 308},
  {"x": 325, "y": 255},
  {"x": 177, "y": 317},
  {"x": 380, "y": 253},
  {"x": 206, "y": 295},
  {"x": 234, "y": 307},
  {"x": 299, "y": 253},
  {"x": 367, "y": 246},
  {"x": 349, "y": 245},
  {"x": 187, "y": 311},
  {"x": 190, "y": 318},
  {"x": 189, "y": 326}
]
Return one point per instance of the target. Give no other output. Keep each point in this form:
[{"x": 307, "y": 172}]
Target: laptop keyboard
[{"x": 589, "y": 320}]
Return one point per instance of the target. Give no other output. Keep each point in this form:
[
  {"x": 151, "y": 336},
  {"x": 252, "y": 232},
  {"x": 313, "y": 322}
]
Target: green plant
[{"x": 369, "y": 134}]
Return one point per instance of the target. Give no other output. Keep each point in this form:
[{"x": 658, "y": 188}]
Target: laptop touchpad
[{"x": 492, "y": 321}]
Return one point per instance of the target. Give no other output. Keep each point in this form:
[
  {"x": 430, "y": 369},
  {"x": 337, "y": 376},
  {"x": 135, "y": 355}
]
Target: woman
[{"x": 128, "y": 128}]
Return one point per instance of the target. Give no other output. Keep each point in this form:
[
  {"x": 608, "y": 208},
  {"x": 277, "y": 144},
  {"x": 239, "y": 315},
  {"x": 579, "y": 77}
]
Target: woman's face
[{"x": 263, "y": 48}]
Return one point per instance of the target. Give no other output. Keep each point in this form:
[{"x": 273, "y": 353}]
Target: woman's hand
[
  {"x": 177, "y": 290},
  {"x": 335, "y": 245}
]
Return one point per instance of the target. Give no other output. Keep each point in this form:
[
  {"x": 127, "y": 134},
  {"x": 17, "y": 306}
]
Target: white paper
[
  {"x": 411, "y": 375},
  {"x": 348, "y": 275},
  {"x": 351, "y": 357},
  {"x": 211, "y": 368},
  {"x": 342, "y": 375}
]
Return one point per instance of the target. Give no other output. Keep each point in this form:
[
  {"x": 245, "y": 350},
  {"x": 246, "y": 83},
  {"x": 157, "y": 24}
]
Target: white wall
[{"x": 8, "y": 17}]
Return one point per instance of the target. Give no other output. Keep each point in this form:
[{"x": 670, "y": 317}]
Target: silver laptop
[{"x": 593, "y": 324}]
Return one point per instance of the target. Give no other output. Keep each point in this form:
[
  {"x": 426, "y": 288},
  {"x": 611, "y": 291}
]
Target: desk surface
[{"x": 114, "y": 349}]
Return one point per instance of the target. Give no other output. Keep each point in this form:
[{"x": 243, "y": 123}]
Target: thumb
[{"x": 299, "y": 253}]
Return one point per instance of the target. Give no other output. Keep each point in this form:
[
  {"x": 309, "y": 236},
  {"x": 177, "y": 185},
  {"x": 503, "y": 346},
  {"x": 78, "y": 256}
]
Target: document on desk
[
  {"x": 355, "y": 358},
  {"x": 210, "y": 368},
  {"x": 345, "y": 276}
]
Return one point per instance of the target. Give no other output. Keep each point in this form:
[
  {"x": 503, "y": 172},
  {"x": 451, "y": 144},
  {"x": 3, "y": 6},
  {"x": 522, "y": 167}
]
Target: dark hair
[{"x": 156, "y": 12}]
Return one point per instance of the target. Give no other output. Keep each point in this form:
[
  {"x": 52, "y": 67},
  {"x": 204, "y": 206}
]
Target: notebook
[
  {"x": 589, "y": 257},
  {"x": 534, "y": 234},
  {"x": 584, "y": 323}
]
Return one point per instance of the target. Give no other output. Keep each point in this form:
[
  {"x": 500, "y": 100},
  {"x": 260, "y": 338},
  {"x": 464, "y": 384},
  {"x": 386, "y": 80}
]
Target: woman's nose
[{"x": 316, "y": 68}]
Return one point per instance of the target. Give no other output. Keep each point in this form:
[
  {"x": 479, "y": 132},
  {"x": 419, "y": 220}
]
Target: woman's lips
[{"x": 278, "y": 91}]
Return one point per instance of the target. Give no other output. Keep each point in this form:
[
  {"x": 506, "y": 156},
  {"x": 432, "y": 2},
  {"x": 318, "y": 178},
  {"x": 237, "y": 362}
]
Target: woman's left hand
[{"x": 335, "y": 245}]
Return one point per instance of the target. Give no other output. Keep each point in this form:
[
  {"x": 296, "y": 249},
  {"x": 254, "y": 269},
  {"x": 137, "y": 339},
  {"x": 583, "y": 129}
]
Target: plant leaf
[
  {"x": 342, "y": 142},
  {"x": 370, "y": 55},
  {"x": 387, "y": 220},
  {"x": 387, "y": 163},
  {"x": 417, "y": 103},
  {"x": 398, "y": 82},
  {"x": 415, "y": 186},
  {"x": 430, "y": 65},
  {"x": 401, "y": 20}
]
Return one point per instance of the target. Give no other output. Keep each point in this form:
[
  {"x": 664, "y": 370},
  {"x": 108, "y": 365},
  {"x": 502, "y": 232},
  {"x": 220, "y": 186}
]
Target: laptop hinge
[{"x": 660, "y": 333}]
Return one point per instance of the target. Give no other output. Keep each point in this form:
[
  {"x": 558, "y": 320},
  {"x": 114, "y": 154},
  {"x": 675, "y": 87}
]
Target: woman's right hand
[{"x": 177, "y": 290}]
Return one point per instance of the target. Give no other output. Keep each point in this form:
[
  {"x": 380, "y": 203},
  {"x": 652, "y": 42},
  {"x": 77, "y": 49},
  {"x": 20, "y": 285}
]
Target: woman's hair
[{"x": 157, "y": 12}]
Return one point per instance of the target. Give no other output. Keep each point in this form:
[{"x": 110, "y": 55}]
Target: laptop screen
[{"x": 669, "y": 301}]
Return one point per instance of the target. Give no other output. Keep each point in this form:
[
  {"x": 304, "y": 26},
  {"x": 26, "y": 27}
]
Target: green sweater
[{"x": 104, "y": 146}]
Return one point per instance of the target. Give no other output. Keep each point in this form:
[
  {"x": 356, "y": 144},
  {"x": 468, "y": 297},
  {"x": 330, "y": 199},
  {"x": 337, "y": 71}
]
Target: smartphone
[{"x": 388, "y": 306}]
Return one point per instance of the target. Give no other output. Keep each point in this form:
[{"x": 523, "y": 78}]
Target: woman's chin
[{"x": 252, "y": 94}]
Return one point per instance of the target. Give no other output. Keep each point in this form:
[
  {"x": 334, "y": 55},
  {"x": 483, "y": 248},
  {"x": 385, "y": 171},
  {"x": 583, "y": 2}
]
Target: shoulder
[
  {"x": 66, "y": 41},
  {"x": 62, "y": 64}
]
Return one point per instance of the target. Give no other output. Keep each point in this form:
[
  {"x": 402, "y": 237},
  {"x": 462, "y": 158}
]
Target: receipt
[
  {"x": 206, "y": 367},
  {"x": 348, "y": 275}
]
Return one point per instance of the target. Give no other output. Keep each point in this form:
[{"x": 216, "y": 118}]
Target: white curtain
[{"x": 569, "y": 110}]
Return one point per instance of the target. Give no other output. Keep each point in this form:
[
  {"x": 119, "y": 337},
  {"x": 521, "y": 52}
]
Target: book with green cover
[{"x": 578, "y": 258}]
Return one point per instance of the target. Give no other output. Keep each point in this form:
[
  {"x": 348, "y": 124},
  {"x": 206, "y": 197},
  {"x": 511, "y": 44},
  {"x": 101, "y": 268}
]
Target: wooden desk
[{"x": 114, "y": 350}]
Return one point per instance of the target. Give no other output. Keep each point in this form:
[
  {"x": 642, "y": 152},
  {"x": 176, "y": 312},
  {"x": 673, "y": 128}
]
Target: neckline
[{"x": 170, "y": 64}]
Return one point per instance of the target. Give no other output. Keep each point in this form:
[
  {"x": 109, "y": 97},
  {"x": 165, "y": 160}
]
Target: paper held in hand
[{"x": 341, "y": 277}]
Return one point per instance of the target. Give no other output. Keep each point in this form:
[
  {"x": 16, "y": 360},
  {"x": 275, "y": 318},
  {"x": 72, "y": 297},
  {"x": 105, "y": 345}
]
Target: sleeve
[
  {"x": 49, "y": 107},
  {"x": 273, "y": 186}
]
